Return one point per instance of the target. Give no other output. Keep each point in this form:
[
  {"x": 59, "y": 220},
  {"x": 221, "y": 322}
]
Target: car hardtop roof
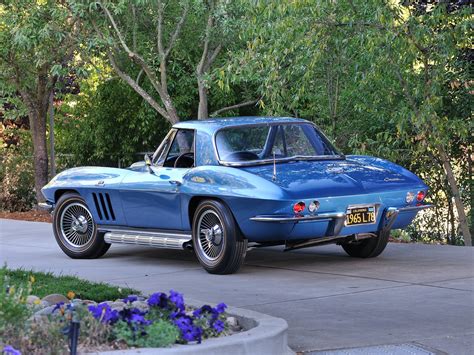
[{"x": 214, "y": 124}]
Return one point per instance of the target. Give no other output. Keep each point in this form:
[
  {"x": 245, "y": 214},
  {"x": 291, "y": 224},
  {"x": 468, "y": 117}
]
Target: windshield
[{"x": 259, "y": 144}]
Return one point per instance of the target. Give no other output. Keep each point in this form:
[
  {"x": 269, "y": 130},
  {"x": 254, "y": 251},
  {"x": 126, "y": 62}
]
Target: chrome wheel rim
[
  {"x": 77, "y": 226},
  {"x": 211, "y": 235}
]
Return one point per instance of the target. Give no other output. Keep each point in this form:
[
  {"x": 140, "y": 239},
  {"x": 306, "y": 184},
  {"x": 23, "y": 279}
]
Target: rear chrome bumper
[
  {"x": 45, "y": 206},
  {"x": 338, "y": 218},
  {"x": 415, "y": 208},
  {"x": 296, "y": 219}
]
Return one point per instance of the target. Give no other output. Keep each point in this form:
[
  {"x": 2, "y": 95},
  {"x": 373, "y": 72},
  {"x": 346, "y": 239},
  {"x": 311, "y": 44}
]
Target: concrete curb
[{"x": 263, "y": 335}]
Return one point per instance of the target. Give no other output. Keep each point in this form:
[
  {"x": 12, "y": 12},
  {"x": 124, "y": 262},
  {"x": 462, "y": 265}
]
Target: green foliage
[
  {"x": 43, "y": 335},
  {"x": 47, "y": 283},
  {"x": 390, "y": 79},
  {"x": 16, "y": 172},
  {"x": 380, "y": 79},
  {"x": 13, "y": 311},
  {"x": 106, "y": 122},
  {"x": 158, "y": 334}
]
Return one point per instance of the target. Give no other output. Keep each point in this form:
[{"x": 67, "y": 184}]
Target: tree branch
[
  {"x": 212, "y": 57},
  {"x": 137, "y": 87},
  {"x": 200, "y": 68},
  {"x": 134, "y": 33},
  {"x": 139, "y": 76},
  {"x": 177, "y": 30},
  {"x": 135, "y": 57},
  {"x": 228, "y": 108},
  {"x": 159, "y": 30}
]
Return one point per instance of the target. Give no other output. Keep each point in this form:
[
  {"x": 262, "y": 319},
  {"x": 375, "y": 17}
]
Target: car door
[{"x": 151, "y": 197}]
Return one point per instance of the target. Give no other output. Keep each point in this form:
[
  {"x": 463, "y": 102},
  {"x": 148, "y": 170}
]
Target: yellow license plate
[{"x": 360, "y": 215}]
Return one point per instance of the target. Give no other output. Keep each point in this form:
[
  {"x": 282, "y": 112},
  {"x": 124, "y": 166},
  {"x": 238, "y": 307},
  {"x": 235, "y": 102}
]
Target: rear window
[{"x": 264, "y": 142}]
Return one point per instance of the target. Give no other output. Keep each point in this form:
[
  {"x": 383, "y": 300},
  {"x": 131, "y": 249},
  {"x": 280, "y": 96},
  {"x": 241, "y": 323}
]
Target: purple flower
[
  {"x": 130, "y": 299},
  {"x": 188, "y": 330},
  {"x": 158, "y": 299},
  {"x": 177, "y": 314},
  {"x": 205, "y": 310},
  {"x": 177, "y": 299},
  {"x": 59, "y": 305},
  {"x": 10, "y": 350},
  {"x": 197, "y": 313},
  {"x": 104, "y": 313},
  {"x": 218, "y": 325},
  {"x": 133, "y": 315},
  {"x": 139, "y": 319},
  {"x": 220, "y": 308}
]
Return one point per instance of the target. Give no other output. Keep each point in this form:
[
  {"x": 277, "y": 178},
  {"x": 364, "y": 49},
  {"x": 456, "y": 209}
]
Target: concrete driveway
[{"x": 416, "y": 294}]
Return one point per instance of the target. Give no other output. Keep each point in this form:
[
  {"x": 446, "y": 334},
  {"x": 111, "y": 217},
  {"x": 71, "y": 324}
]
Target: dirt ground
[{"x": 32, "y": 216}]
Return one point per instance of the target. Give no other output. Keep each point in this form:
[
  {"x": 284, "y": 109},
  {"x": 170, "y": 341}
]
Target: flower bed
[{"x": 32, "y": 325}]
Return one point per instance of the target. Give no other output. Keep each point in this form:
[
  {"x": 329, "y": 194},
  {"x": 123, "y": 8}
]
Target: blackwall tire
[
  {"x": 368, "y": 248},
  {"x": 75, "y": 229},
  {"x": 217, "y": 242}
]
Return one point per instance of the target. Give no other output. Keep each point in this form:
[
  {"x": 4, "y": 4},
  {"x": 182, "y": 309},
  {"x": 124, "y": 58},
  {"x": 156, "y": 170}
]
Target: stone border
[{"x": 263, "y": 334}]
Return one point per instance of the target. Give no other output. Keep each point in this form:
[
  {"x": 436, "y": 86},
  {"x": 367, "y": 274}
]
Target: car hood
[{"x": 306, "y": 179}]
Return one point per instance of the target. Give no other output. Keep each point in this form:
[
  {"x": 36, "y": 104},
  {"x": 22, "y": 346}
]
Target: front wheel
[
  {"x": 368, "y": 248},
  {"x": 217, "y": 242},
  {"x": 75, "y": 229}
]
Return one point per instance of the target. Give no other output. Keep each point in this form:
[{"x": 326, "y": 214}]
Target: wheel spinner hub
[
  {"x": 79, "y": 224},
  {"x": 214, "y": 235}
]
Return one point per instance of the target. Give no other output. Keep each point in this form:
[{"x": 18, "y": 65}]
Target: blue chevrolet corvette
[{"x": 221, "y": 186}]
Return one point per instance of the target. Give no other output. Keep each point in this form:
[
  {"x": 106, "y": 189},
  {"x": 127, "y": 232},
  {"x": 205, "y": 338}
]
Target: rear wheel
[
  {"x": 217, "y": 242},
  {"x": 75, "y": 229},
  {"x": 368, "y": 248}
]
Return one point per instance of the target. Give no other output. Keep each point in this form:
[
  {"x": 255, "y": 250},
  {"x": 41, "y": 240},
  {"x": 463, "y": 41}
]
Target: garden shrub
[
  {"x": 16, "y": 173},
  {"x": 159, "y": 321},
  {"x": 158, "y": 334}
]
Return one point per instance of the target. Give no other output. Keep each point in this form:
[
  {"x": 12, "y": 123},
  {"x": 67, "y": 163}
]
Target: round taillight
[
  {"x": 410, "y": 197},
  {"x": 313, "y": 206},
  {"x": 299, "y": 207},
  {"x": 420, "y": 196}
]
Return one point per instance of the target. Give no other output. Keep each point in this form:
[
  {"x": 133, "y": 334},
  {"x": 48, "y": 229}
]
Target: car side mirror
[
  {"x": 148, "y": 163},
  {"x": 147, "y": 160}
]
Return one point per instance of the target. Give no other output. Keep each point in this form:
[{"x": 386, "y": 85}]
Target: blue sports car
[{"x": 224, "y": 185}]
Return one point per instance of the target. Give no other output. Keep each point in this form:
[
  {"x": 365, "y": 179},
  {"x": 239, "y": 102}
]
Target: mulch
[{"x": 32, "y": 216}]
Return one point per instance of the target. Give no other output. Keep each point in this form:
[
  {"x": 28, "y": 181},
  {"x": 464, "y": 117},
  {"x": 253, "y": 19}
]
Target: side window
[{"x": 182, "y": 148}]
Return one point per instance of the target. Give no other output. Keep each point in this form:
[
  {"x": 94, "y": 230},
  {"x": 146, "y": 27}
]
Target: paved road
[{"x": 411, "y": 293}]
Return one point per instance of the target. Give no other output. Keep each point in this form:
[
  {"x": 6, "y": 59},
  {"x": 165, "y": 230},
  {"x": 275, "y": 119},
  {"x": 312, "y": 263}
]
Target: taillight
[
  {"x": 299, "y": 207},
  {"x": 410, "y": 197},
  {"x": 313, "y": 206},
  {"x": 420, "y": 196}
]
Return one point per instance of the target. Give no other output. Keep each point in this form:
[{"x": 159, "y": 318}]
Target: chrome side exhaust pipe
[{"x": 165, "y": 241}]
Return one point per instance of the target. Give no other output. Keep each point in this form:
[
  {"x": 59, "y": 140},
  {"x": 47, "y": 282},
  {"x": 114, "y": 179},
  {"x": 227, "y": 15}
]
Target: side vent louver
[{"x": 103, "y": 206}]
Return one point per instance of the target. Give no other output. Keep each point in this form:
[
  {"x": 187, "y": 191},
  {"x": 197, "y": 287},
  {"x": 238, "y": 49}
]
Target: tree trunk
[
  {"x": 51, "y": 135},
  {"x": 203, "y": 112},
  {"x": 457, "y": 197},
  {"x": 471, "y": 189},
  {"x": 37, "y": 117}
]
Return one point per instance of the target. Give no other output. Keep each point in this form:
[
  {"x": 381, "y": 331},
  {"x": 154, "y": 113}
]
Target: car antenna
[{"x": 274, "y": 177}]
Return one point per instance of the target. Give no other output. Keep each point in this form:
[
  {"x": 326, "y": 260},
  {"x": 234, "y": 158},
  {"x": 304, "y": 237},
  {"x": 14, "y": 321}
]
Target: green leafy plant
[
  {"x": 16, "y": 172},
  {"x": 47, "y": 283},
  {"x": 158, "y": 334},
  {"x": 13, "y": 310}
]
